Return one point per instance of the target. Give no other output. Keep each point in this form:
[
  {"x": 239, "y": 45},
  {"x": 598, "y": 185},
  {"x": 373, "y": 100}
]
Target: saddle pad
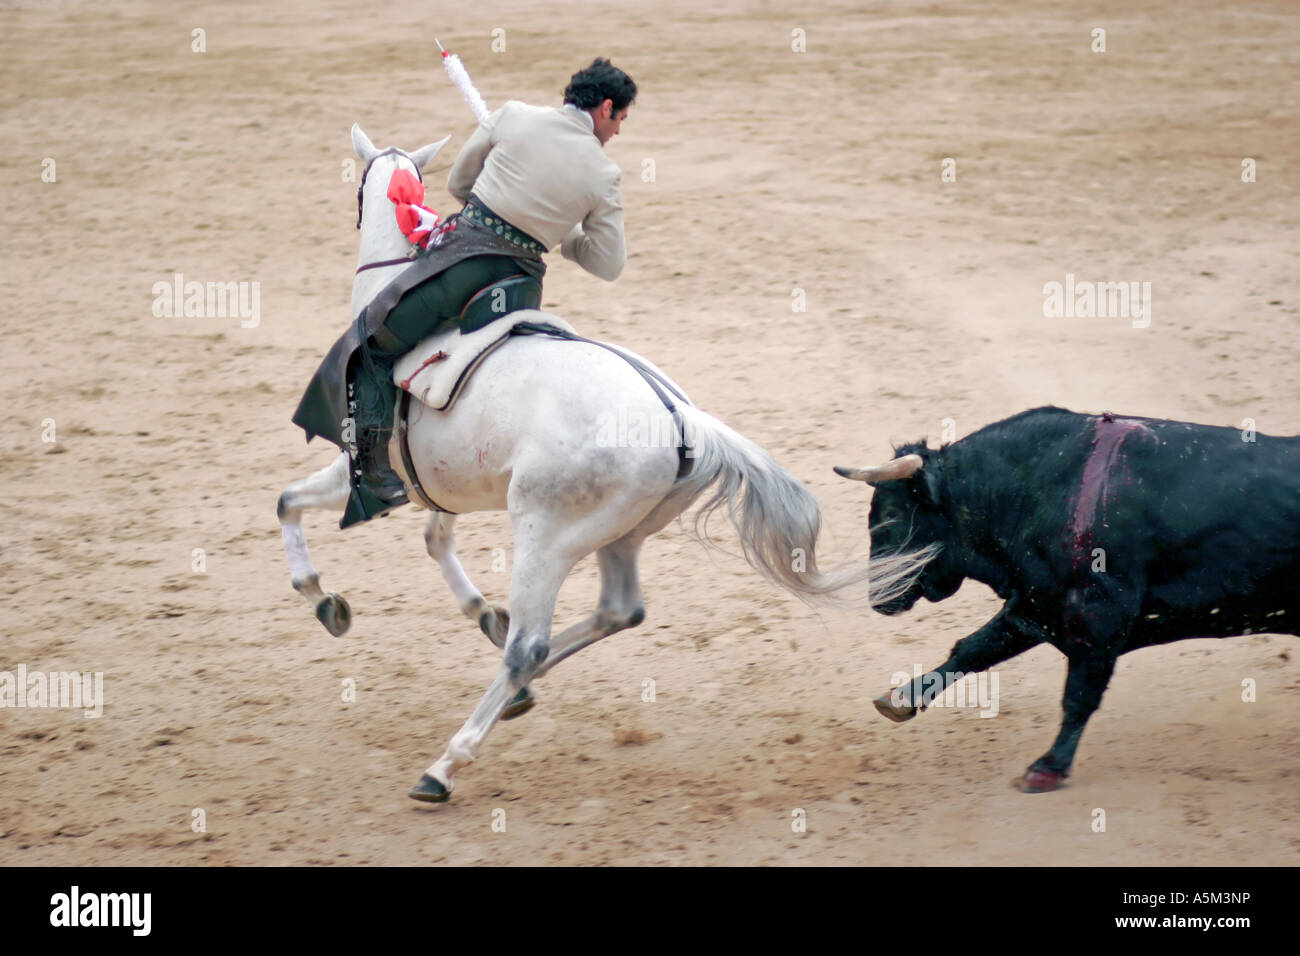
[{"x": 436, "y": 370}]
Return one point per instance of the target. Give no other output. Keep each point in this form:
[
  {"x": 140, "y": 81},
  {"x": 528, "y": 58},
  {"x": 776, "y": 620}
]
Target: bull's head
[{"x": 912, "y": 554}]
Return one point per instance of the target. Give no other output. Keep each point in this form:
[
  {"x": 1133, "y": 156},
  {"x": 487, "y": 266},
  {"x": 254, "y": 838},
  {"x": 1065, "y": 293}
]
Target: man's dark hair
[{"x": 599, "y": 82}]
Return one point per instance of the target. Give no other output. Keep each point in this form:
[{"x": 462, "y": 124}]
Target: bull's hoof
[
  {"x": 429, "y": 790},
  {"x": 520, "y": 704},
  {"x": 495, "y": 623},
  {"x": 335, "y": 613},
  {"x": 885, "y": 704},
  {"x": 1038, "y": 781}
]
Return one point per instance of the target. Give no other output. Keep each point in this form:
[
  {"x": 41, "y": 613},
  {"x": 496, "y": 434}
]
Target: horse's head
[
  {"x": 383, "y": 246},
  {"x": 380, "y": 164}
]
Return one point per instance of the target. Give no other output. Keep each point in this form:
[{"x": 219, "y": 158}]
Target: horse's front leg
[
  {"x": 327, "y": 488},
  {"x": 493, "y": 620},
  {"x": 440, "y": 540}
]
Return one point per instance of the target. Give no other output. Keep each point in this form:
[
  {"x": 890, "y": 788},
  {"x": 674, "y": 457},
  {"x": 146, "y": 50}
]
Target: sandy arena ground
[{"x": 773, "y": 170}]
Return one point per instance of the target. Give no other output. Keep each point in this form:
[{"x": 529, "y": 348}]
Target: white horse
[{"x": 525, "y": 436}]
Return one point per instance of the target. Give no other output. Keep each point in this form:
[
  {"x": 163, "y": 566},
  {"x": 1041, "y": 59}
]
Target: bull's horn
[{"x": 903, "y": 467}]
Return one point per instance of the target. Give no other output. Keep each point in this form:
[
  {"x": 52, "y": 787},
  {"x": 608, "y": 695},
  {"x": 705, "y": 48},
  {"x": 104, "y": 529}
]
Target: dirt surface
[{"x": 774, "y": 170}]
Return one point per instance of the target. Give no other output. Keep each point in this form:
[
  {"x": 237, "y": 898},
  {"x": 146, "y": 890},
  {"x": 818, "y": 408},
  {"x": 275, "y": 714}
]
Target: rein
[{"x": 386, "y": 262}]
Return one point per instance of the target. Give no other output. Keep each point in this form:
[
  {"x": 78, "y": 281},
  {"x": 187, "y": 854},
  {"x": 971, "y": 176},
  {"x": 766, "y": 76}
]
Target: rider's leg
[
  {"x": 432, "y": 304},
  {"x": 375, "y": 488}
]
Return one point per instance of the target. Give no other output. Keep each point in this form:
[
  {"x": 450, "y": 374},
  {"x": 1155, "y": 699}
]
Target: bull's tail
[{"x": 777, "y": 518}]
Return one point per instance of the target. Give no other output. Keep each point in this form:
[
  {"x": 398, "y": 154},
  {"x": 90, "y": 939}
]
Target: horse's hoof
[
  {"x": 885, "y": 704},
  {"x": 1038, "y": 781},
  {"x": 520, "y": 704},
  {"x": 495, "y": 623},
  {"x": 429, "y": 790},
  {"x": 335, "y": 614}
]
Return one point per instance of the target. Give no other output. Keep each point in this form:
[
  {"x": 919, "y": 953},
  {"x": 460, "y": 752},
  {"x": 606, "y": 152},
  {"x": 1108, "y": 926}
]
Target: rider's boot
[{"x": 376, "y": 488}]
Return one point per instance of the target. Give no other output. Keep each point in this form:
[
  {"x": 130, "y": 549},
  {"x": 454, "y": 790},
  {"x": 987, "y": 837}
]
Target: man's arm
[
  {"x": 468, "y": 165},
  {"x": 597, "y": 242}
]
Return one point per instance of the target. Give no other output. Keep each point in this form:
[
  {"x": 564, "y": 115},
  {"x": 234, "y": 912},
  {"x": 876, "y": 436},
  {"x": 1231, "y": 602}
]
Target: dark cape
[{"x": 324, "y": 405}]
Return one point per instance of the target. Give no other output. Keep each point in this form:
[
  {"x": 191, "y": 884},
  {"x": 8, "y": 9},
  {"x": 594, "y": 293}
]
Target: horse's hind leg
[
  {"x": 327, "y": 488},
  {"x": 620, "y": 606},
  {"x": 535, "y": 581},
  {"x": 544, "y": 558},
  {"x": 440, "y": 540}
]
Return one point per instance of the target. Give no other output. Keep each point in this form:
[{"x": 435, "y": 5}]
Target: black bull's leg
[
  {"x": 1002, "y": 638},
  {"x": 1095, "y": 627},
  {"x": 1097, "y": 621},
  {"x": 1086, "y": 681}
]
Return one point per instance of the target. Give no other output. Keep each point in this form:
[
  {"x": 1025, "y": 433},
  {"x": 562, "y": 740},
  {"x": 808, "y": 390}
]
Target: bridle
[{"x": 361, "y": 192}]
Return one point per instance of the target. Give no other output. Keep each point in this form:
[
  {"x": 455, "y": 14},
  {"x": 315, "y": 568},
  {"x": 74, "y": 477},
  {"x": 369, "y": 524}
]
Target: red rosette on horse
[{"x": 415, "y": 219}]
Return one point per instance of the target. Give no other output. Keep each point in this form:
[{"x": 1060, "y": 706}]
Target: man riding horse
[{"x": 530, "y": 178}]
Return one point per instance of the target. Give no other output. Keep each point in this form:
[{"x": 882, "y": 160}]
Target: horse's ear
[
  {"x": 422, "y": 155},
  {"x": 361, "y": 143}
]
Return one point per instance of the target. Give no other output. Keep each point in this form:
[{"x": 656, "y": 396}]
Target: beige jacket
[{"x": 544, "y": 171}]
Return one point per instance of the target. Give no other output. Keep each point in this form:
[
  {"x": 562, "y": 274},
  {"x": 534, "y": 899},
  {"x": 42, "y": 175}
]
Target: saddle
[{"x": 437, "y": 369}]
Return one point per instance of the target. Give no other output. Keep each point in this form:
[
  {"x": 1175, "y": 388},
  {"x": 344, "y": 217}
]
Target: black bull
[{"x": 1102, "y": 534}]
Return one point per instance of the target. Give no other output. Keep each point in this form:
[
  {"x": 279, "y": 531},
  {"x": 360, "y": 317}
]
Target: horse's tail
[{"x": 778, "y": 519}]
